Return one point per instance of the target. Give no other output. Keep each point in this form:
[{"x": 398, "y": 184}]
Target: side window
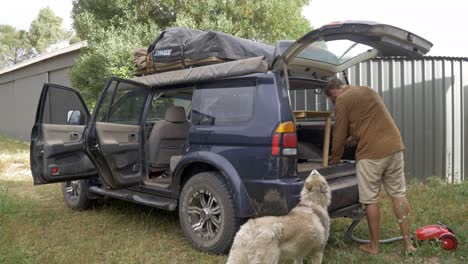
[
  {"x": 103, "y": 111},
  {"x": 123, "y": 104},
  {"x": 223, "y": 104},
  {"x": 162, "y": 102},
  {"x": 64, "y": 107}
]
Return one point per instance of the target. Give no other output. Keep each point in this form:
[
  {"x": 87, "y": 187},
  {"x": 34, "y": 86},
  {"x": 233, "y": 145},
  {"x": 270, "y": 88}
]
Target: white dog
[{"x": 303, "y": 232}]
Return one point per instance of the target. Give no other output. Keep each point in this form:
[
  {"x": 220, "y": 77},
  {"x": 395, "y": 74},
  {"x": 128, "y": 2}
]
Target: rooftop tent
[{"x": 206, "y": 73}]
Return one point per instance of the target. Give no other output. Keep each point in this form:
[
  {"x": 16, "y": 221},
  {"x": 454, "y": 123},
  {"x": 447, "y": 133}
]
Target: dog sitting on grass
[{"x": 302, "y": 232}]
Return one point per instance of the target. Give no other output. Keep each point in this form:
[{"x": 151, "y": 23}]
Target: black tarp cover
[{"x": 180, "y": 44}]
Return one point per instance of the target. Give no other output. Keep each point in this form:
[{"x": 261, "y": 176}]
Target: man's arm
[{"x": 340, "y": 132}]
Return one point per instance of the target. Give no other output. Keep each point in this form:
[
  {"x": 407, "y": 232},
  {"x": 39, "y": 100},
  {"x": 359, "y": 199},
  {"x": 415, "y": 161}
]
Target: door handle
[
  {"x": 131, "y": 137},
  {"x": 95, "y": 146},
  {"x": 74, "y": 136}
]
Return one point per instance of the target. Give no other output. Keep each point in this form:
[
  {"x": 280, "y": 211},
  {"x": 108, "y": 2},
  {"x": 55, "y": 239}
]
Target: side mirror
[{"x": 74, "y": 117}]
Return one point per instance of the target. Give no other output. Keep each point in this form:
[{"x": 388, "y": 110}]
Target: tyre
[
  {"x": 448, "y": 242},
  {"x": 207, "y": 213},
  {"x": 75, "y": 194}
]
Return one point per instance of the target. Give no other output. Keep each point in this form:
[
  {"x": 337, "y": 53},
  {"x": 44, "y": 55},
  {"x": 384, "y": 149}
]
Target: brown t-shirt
[{"x": 361, "y": 113}]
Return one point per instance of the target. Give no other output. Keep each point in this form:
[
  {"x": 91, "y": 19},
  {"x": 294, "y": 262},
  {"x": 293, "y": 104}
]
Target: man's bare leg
[
  {"x": 373, "y": 221},
  {"x": 402, "y": 211}
]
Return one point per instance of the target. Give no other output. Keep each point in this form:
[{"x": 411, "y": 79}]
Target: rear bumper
[
  {"x": 275, "y": 196},
  {"x": 278, "y": 197}
]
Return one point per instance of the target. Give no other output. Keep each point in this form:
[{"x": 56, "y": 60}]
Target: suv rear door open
[
  {"x": 335, "y": 47},
  {"x": 116, "y": 134}
]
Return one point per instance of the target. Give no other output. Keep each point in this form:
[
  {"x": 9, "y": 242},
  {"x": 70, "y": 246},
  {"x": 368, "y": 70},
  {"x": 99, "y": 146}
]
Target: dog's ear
[
  {"x": 324, "y": 187},
  {"x": 314, "y": 172}
]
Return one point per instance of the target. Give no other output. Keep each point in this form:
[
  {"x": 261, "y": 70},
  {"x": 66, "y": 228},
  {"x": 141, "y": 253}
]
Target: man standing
[{"x": 361, "y": 114}]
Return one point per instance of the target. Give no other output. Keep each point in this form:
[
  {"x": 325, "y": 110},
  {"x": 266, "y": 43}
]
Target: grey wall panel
[
  {"x": 464, "y": 119},
  {"x": 7, "y": 109},
  {"x": 427, "y": 98},
  {"x": 54, "y": 63},
  {"x": 60, "y": 77},
  {"x": 27, "y": 93}
]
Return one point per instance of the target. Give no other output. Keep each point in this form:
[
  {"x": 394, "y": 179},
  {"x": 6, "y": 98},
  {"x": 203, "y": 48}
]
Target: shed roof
[{"x": 45, "y": 56}]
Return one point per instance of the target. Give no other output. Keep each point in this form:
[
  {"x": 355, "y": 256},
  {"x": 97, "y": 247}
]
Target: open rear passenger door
[
  {"x": 57, "y": 151},
  {"x": 116, "y": 135},
  {"x": 335, "y": 47}
]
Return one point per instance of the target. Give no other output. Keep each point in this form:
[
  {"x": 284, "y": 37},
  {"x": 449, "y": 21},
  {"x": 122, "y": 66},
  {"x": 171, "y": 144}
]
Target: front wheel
[
  {"x": 75, "y": 194},
  {"x": 207, "y": 213}
]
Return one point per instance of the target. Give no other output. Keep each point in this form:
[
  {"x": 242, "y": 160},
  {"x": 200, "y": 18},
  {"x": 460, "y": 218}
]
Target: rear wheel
[
  {"x": 207, "y": 213},
  {"x": 75, "y": 194},
  {"x": 448, "y": 242}
]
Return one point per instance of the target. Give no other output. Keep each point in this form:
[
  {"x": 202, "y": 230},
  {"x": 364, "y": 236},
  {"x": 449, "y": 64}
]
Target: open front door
[
  {"x": 335, "y": 47},
  {"x": 116, "y": 136},
  {"x": 57, "y": 144}
]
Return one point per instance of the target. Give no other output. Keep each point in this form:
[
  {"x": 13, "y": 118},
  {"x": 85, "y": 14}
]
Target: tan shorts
[{"x": 372, "y": 173}]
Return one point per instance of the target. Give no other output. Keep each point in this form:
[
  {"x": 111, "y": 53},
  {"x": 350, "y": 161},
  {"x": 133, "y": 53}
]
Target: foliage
[
  {"x": 19, "y": 45},
  {"x": 263, "y": 20},
  {"x": 46, "y": 29},
  {"x": 14, "y": 46},
  {"x": 109, "y": 54},
  {"x": 114, "y": 30}
]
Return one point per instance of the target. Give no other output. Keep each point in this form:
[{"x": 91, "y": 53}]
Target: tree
[
  {"x": 263, "y": 20},
  {"x": 110, "y": 54},
  {"x": 47, "y": 29},
  {"x": 114, "y": 29},
  {"x": 19, "y": 45},
  {"x": 14, "y": 46}
]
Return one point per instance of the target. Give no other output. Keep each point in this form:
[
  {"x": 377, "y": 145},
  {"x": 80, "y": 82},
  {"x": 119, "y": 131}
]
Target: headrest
[{"x": 176, "y": 114}]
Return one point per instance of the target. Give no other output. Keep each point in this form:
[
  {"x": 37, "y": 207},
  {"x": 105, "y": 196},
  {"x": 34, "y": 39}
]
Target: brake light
[
  {"x": 290, "y": 140},
  {"x": 284, "y": 140},
  {"x": 275, "y": 145}
]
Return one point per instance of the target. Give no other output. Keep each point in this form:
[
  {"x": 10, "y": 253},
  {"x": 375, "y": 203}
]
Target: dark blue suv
[{"x": 218, "y": 143}]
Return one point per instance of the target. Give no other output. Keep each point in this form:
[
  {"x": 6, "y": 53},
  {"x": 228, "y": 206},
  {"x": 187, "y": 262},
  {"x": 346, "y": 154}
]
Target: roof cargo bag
[{"x": 179, "y": 48}]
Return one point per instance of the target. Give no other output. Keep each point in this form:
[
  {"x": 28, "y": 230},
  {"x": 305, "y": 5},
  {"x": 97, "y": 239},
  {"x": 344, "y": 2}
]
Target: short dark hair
[{"x": 333, "y": 83}]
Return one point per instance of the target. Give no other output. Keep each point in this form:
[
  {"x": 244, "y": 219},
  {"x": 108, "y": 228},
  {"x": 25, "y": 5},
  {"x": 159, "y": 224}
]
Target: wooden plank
[
  {"x": 326, "y": 141},
  {"x": 326, "y": 135},
  {"x": 311, "y": 114}
]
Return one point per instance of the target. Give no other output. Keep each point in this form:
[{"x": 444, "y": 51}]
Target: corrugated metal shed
[
  {"x": 428, "y": 101},
  {"x": 21, "y": 85}
]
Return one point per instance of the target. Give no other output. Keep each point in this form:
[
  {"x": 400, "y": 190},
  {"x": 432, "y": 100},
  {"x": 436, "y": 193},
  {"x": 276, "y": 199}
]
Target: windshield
[{"x": 334, "y": 52}]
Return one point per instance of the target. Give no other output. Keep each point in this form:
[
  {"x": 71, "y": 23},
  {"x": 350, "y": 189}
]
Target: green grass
[{"x": 37, "y": 227}]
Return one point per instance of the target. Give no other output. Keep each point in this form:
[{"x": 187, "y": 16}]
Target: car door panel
[
  {"x": 120, "y": 146},
  {"x": 115, "y": 138},
  {"x": 57, "y": 148}
]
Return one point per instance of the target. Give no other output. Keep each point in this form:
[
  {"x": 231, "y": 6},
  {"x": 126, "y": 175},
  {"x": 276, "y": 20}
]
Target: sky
[{"x": 441, "y": 22}]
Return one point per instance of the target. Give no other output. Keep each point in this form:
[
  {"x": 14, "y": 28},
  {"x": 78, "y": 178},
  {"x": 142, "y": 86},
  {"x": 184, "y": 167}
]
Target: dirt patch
[
  {"x": 15, "y": 167},
  {"x": 28, "y": 192}
]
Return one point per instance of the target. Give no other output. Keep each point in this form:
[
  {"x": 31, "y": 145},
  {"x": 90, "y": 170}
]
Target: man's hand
[
  {"x": 350, "y": 142},
  {"x": 333, "y": 162}
]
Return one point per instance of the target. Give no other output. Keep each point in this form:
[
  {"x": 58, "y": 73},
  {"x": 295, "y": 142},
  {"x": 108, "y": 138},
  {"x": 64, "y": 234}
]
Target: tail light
[{"x": 284, "y": 140}]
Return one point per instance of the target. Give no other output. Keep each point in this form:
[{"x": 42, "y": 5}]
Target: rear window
[{"x": 223, "y": 104}]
